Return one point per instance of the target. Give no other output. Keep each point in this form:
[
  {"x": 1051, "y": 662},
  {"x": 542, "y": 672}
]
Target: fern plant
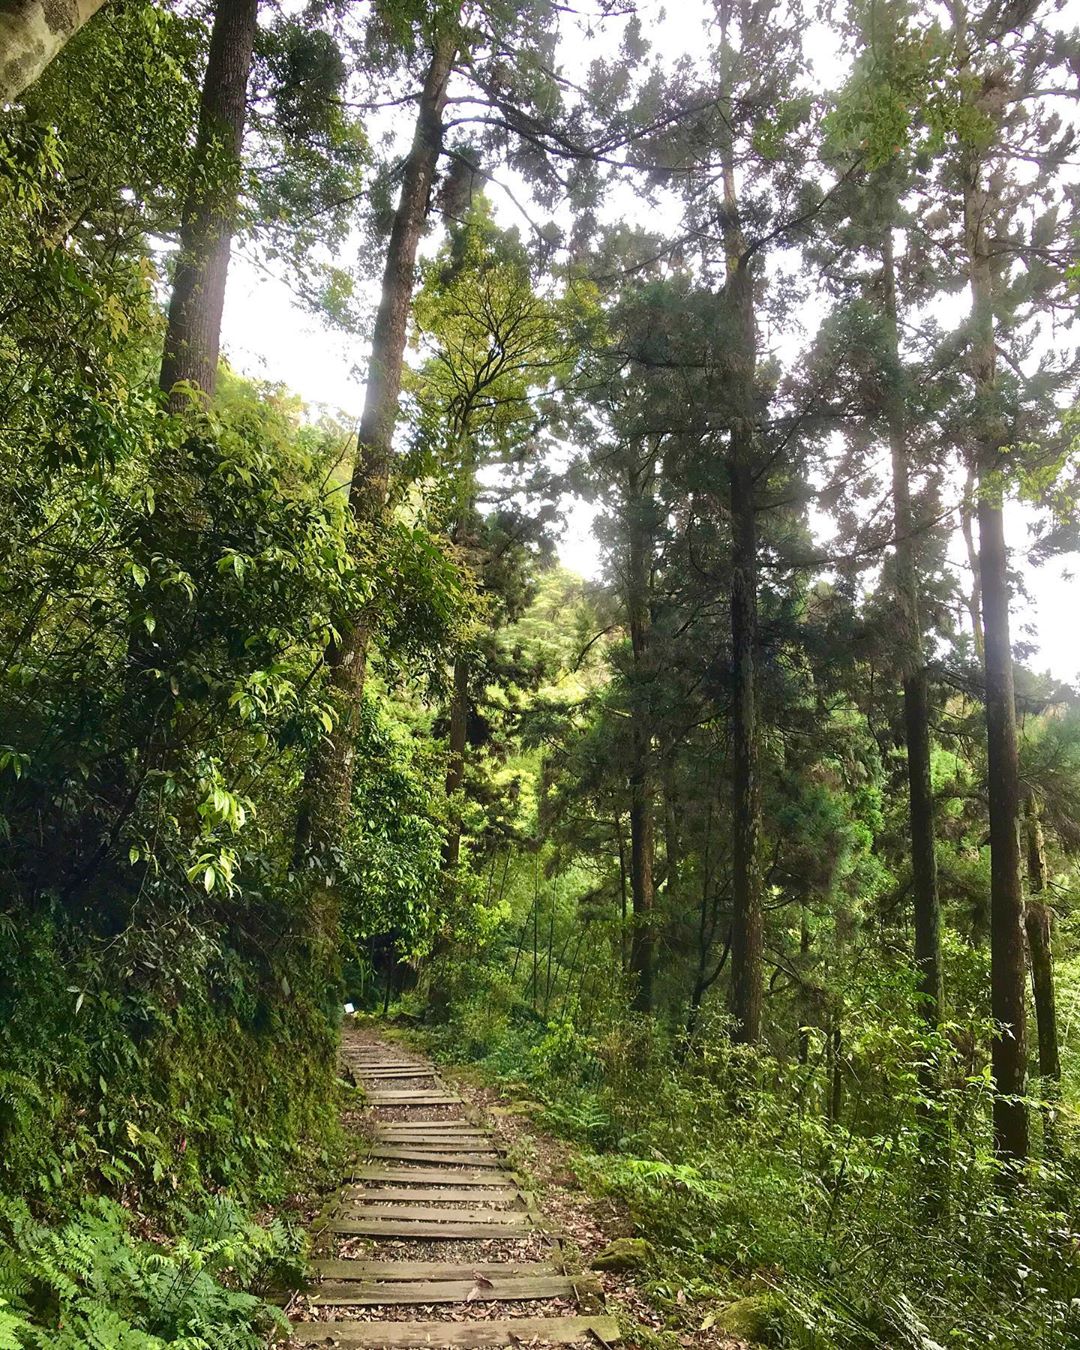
[{"x": 91, "y": 1284}]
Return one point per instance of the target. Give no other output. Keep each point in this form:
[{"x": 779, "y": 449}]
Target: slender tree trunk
[
  {"x": 623, "y": 954},
  {"x": 193, "y": 336},
  {"x": 32, "y": 32},
  {"x": 328, "y": 782},
  {"x": 642, "y": 823},
  {"x": 747, "y": 972},
  {"x": 916, "y": 684},
  {"x": 1009, "y": 1049},
  {"x": 455, "y": 770},
  {"x": 671, "y": 832},
  {"x": 807, "y": 1012},
  {"x": 536, "y": 934},
  {"x": 967, "y": 529},
  {"x": 1038, "y": 920}
]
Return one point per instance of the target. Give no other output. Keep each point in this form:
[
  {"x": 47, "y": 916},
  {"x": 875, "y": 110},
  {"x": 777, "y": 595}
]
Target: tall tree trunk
[
  {"x": 623, "y": 954},
  {"x": 193, "y": 335},
  {"x": 328, "y": 781},
  {"x": 916, "y": 684},
  {"x": 455, "y": 768},
  {"x": 967, "y": 530},
  {"x": 642, "y": 845},
  {"x": 807, "y": 1010},
  {"x": 671, "y": 832},
  {"x": 1038, "y": 921},
  {"x": 1007, "y": 1005},
  {"x": 747, "y": 979},
  {"x": 642, "y": 823},
  {"x": 747, "y": 940},
  {"x": 32, "y": 32}
]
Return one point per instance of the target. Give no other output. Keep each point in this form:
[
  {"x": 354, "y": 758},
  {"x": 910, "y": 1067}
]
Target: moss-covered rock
[
  {"x": 755, "y": 1318},
  {"x": 623, "y": 1254}
]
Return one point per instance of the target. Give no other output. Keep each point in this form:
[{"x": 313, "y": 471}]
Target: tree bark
[
  {"x": 329, "y": 777},
  {"x": 747, "y": 940},
  {"x": 642, "y": 823},
  {"x": 973, "y": 598},
  {"x": 916, "y": 684},
  {"x": 455, "y": 768},
  {"x": 1038, "y": 921},
  {"x": 32, "y": 32},
  {"x": 747, "y": 981},
  {"x": 1007, "y": 973},
  {"x": 193, "y": 336}
]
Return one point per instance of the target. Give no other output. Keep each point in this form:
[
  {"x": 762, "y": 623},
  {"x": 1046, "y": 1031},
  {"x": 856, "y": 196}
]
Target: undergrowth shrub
[
  {"x": 885, "y": 1229},
  {"x": 93, "y": 1284}
]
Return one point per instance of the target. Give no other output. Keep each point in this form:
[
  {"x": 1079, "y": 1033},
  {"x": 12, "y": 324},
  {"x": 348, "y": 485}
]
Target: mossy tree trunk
[{"x": 32, "y": 32}]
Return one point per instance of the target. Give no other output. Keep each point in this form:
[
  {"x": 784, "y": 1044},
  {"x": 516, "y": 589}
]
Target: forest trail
[{"x": 432, "y": 1239}]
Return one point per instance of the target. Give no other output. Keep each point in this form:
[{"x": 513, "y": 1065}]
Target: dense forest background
[{"x": 754, "y": 859}]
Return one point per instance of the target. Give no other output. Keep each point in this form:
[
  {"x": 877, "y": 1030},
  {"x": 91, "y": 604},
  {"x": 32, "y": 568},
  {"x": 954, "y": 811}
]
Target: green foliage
[
  {"x": 392, "y": 852},
  {"x": 733, "y": 1177},
  {"x": 93, "y": 1284}
]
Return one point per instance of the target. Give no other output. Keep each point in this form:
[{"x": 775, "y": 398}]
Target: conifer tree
[{"x": 1008, "y": 150}]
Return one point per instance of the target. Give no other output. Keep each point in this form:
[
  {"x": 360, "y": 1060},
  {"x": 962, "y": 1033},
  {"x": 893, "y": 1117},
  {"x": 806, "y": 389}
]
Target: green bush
[
  {"x": 731, "y": 1168},
  {"x": 93, "y": 1284}
]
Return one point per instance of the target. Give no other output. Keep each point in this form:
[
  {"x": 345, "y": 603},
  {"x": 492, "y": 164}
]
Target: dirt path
[{"x": 433, "y": 1240}]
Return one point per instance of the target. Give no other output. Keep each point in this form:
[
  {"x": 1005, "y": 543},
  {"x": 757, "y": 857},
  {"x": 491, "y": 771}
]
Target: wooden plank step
[
  {"x": 354, "y": 1269},
  {"x": 451, "y": 1128},
  {"x": 437, "y": 1176},
  {"x": 393, "y": 1066},
  {"x": 437, "y": 1126},
  {"x": 391, "y": 1098},
  {"x": 413, "y": 1096},
  {"x": 367, "y": 1293},
  {"x": 386, "y": 1064},
  {"x": 386, "y": 1075},
  {"x": 454, "y": 1145},
  {"x": 381, "y": 1052},
  {"x": 431, "y": 1213},
  {"x": 411, "y": 1228},
  {"x": 398, "y": 1071},
  {"x": 392, "y": 1080},
  {"x": 448, "y": 1125},
  {"x": 414, "y": 1154},
  {"x": 459, "y": 1335},
  {"x": 506, "y": 1195}
]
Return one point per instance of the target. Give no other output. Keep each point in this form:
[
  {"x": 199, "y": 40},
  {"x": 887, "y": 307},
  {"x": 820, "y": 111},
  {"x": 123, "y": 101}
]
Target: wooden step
[
  {"x": 428, "y": 1270},
  {"x": 366, "y": 1293},
  {"x": 435, "y": 1129},
  {"x": 415, "y": 1154},
  {"x": 502, "y": 1195},
  {"x": 414, "y": 1097},
  {"x": 452, "y": 1129},
  {"x": 437, "y": 1176},
  {"x": 375, "y": 1065},
  {"x": 374, "y": 1073},
  {"x": 440, "y": 1145},
  {"x": 459, "y": 1335},
  {"x": 430, "y": 1213},
  {"x": 411, "y": 1228},
  {"x": 435, "y": 1125}
]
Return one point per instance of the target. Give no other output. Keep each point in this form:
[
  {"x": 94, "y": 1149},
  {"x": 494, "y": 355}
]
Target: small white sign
[{"x": 349, "y": 1007}]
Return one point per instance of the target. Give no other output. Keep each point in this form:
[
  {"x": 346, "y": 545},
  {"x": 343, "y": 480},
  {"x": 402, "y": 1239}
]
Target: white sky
[{"x": 266, "y": 335}]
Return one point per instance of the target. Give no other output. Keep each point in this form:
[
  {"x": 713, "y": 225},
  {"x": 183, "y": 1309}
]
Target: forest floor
[{"x": 382, "y": 1246}]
